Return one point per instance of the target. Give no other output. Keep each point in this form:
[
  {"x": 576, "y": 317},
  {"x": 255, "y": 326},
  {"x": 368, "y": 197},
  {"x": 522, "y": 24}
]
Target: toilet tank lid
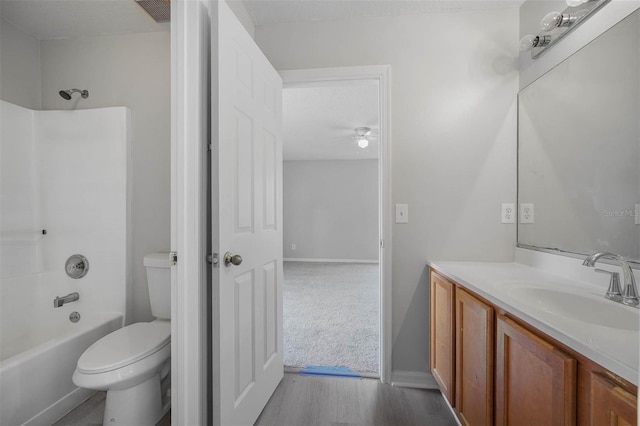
[{"x": 158, "y": 260}]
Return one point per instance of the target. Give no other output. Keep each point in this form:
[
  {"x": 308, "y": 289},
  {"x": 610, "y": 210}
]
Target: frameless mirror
[{"x": 579, "y": 149}]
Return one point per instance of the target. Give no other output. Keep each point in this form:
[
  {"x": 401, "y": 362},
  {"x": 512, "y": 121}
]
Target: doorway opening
[{"x": 333, "y": 220}]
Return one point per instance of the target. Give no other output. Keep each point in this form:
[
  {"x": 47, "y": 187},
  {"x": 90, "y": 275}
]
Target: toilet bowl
[{"x": 133, "y": 363}]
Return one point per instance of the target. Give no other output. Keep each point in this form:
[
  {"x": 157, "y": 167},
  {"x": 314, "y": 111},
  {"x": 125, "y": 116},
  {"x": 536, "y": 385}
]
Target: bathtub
[{"x": 37, "y": 365}]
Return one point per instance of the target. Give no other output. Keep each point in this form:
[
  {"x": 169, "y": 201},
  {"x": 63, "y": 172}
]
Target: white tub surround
[
  {"x": 512, "y": 287},
  {"x": 64, "y": 190}
]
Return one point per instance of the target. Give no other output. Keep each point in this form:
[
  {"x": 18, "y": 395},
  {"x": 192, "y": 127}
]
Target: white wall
[
  {"x": 331, "y": 209},
  {"x": 453, "y": 90},
  {"x": 19, "y": 67},
  {"x": 132, "y": 71}
]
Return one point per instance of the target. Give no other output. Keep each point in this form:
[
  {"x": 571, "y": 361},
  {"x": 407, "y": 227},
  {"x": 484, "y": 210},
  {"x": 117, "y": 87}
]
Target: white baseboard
[
  {"x": 453, "y": 412},
  {"x": 413, "y": 379},
  {"x": 419, "y": 380},
  {"x": 305, "y": 259}
]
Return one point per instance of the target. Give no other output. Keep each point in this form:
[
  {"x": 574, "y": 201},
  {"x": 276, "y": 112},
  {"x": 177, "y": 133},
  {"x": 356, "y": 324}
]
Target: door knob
[{"x": 230, "y": 259}]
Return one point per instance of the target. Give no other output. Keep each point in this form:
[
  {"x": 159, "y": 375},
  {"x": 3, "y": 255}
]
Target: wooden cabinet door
[
  {"x": 474, "y": 360},
  {"x": 442, "y": 334},
  {"x": 535, "y": 381},
  {"x": 610, "y": 404}
]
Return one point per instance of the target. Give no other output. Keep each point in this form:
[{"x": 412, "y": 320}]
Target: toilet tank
[{"x": 158, "y": 266}]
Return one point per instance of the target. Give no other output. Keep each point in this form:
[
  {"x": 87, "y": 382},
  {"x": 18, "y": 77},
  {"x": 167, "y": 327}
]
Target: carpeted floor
[{"x": 331, "y": 315}]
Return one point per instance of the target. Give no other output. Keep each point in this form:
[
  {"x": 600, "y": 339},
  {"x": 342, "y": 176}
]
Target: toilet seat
[{"x": 125, "y": 346}]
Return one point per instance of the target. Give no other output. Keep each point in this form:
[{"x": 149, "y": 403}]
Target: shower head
[{"x": 66, "y": 94}]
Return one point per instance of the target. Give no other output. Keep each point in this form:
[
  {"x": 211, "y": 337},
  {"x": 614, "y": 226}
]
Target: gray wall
[
  {"x": 128, "y": 70},
  {"x": 134, "y": 71},
  {"x": 331, "y": 209},
  {"x": 453, "y": 113},
  {"x": 19, "y": 67}
]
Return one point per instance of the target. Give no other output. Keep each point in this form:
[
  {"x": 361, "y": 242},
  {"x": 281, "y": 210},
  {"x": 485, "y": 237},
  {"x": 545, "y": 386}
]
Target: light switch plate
[
  {"x": 637, "y": 214},
  {"x": 526, "y": 213},
  {"x": 402, "y": 213},
  {"x": 508, "y": 213}
]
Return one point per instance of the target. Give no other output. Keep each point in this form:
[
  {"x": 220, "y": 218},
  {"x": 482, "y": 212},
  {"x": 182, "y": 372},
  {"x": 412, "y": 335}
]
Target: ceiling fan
[{"x": 362, "y": 135}]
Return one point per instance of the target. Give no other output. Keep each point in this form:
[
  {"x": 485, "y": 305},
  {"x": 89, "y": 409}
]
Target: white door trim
[
  {"x": 382, "y": 73},
  {"x": 190, "y": 44}
]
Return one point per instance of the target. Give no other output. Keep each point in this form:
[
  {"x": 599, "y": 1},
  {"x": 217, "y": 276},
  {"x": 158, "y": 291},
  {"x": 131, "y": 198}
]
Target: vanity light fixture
[
  {"x": 574, "y": 3},
  {"x": 556, "y": 25}
]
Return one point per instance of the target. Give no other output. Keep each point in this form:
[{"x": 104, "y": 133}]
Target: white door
[{"x": 247, "y": 221}]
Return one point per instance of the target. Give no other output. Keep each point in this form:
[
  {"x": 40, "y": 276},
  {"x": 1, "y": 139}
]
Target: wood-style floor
[
  {"x": 309, "y": 401},
  {"x": 90, "y": 413}
]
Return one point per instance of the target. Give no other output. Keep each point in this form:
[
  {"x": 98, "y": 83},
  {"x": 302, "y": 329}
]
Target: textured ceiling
[
  {"x": 265, "y": 12},
  {"x": 54, "y": 19},
  {"x": 51, "y": 19},
  {"x": 319, "y": 121}
]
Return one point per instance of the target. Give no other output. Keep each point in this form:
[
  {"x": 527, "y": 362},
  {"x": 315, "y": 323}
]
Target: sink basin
[{"x": 579, "y": 307}]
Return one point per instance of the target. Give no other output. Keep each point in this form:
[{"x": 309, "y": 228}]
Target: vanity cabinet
[
  {"x": 474, "y": 321},
  {"x": 535, "y": 381},
  {"x": 610, "y": 403},
  {"x": 495, "y": 368},
  {"x": 442, "y": 334}
]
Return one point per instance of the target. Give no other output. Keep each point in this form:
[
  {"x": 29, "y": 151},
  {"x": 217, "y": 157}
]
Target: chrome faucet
[
  {"x": 59, "y": 301},
  {"x": 630, "y": 296}
]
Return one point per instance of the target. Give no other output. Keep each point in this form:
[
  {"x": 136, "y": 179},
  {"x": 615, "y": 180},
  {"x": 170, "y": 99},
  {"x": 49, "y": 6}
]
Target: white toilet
[{"x": 133, "y": 363}]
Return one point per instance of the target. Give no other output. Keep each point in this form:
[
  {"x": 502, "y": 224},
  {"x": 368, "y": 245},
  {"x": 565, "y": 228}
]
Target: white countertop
[{"x": 613, "y": 348}]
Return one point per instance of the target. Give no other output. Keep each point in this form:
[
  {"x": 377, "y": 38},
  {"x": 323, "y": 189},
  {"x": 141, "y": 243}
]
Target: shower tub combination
[
  {"x": 65, "y": 191},
  {"x": 35, "y": 383}
]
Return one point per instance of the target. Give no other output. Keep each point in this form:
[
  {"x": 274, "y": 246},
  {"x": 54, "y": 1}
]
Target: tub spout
[{"x": 59, "y": 301}]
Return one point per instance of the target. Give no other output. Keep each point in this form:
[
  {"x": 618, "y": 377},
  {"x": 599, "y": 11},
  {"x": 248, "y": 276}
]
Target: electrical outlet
[
  {"x": 508, "y": 213},
  {"x": 293, "y": 246},
  {"x": 526, "y": 212},
  {"x": 402, "y": 213}
]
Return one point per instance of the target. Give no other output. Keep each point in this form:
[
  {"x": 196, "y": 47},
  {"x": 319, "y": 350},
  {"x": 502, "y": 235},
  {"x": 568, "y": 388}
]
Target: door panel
[
  {"x": 442, "y": 334},
  {"x": 247, "y": 165},
  {"x": 611, "y": 404},
  {"x": 535, "y": 381},
  {"x": 474, "y": 359}
]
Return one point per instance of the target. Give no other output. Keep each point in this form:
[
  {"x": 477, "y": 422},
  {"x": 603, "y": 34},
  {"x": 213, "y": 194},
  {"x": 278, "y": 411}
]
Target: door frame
[
  {"x": 190, "y": 121},
  {"x": 381, "y": 73}
]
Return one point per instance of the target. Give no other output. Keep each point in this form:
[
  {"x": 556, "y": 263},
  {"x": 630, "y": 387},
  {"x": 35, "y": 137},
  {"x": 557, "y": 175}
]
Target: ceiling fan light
[{"x": 363, "y": 142}]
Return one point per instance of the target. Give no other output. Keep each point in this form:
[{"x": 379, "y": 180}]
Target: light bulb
[
  {"x": 551, "y": 20},
  {"x": 574, "y": 3},
  {"x": 526, "y": 42},
  {"x": 363, "y": 142},
  {"x": 529, "y": 41}
]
